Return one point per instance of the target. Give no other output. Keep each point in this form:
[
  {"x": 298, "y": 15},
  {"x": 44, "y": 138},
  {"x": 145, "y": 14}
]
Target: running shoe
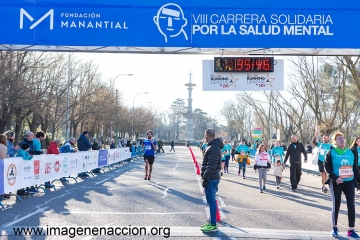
[
  {"x": 325, "y": 190},
  {"x": 221, "y": 173},
  {"x": 335, "y": 233},
  {"x": 210, "y": 228},
  {"x": 238, "y": 172},
  {"x": 294, "y": 189},
  {"x": 261, "y": 191},
  {"x": 264, "y": 188},
  {"x": 149, "y": 177},
  {"x": 205, "y": 225},
  {"x": 277, "y": 187},
  {"x": 145, "y": 178},
  {"x": 352, "y": 234},
  {"x": 243, "y": 177}
]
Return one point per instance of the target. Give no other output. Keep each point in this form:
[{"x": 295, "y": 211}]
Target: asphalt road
[{"x": 174, "y": 199}]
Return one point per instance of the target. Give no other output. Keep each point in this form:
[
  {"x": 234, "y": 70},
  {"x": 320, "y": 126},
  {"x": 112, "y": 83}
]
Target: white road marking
[
  {"x": 207, "y": 210},
  {"x": 281, "y": 210},
  {"x": 24, "y": 217},
  {"x": 87, "y": 238},
  {"x": 131, "y": 213},
  {"x": 164, "y": 192},
  {"x": 102, "y": 181},
  {"x": 221, "y": 201},
  {"x": 176, "y": 166}
]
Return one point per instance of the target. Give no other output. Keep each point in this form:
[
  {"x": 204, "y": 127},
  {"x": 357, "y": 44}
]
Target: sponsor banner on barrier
[
  {"x": 1, "y": 175},
  {"x": 18, "y": 173},
  {"x": 114, "y": 155},
  {"x": 126, "y": 153},
  {"x": 103, "y": 160}
]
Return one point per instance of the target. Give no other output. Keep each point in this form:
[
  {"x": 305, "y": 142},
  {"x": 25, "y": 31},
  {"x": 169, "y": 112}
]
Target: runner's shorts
[
  {"x": 151, "y": 159},
  {"x": 321, "y": 166}
]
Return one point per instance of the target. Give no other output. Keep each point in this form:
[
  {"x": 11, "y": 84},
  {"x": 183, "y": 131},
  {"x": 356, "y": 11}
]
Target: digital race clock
[{"x": 244, "y": 64}]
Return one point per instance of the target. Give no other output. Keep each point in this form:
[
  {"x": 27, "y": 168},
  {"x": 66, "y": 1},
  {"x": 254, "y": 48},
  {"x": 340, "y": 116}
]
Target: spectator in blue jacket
[
  {"x": 11, "y": 149},
  {"x": 83, "y": 143},
  {"x": 68, "y": 146},
  {"x": 39, "y": 136},
  {"x": 24, "y": 152}
]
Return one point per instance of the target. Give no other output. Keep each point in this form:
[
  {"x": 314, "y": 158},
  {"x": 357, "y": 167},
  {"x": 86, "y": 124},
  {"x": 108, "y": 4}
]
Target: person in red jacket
[{"x": 53, "y": 147}]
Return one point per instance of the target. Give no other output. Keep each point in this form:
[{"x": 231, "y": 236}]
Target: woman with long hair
[
  {"x": 343, "y": 176},
  {"x": 262, "y": 163},
  {"x": 11, "y": 149}
]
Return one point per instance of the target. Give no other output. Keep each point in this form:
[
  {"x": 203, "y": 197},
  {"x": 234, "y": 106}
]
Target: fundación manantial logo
[
  {"x": 170, "y": 21},
  {"x": 49, "y": 14}
]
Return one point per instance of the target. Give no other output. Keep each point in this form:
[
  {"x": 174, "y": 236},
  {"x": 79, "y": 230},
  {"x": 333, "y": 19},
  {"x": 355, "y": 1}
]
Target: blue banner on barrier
[
  {"x": 1, "y": 176},
  {"x": 103, "y": 158},
  {"x": 182, "y": 23}
]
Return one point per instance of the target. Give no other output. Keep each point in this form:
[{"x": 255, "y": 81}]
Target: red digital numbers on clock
[{"x": 244, "y": 64}]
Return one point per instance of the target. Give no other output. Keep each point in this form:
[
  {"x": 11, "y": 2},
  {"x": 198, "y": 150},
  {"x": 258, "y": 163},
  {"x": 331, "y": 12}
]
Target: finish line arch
[
  {"x": 182, "y": 26},
  {"x": 233, "y": 27}
]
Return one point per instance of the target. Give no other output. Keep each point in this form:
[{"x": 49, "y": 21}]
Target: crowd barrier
[{"x": 18, "y": 173}]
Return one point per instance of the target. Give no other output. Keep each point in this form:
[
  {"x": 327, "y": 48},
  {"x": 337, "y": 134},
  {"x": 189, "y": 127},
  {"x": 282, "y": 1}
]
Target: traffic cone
[
  {"x": 218, "y": 218},
  {"x": 198, "y": 170}
]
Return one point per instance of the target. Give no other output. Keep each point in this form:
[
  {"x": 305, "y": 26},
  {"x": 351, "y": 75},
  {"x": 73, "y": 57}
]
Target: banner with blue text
[{"x": 182, "y": 23}]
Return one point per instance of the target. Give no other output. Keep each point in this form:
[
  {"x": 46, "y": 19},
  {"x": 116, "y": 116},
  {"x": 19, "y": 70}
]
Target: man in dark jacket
[
  {"x": 29, "y": 138},
  {"x": 112, "y": 145},
  {"x": 210, "y": 173},
  {"x": 294, "y": 151},
  {"x": 83, "y": 143}
]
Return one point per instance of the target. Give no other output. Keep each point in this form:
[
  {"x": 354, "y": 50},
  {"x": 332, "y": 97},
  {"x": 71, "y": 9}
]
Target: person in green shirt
[
  {"x": 242, "y": 147},
  {"x": 324, "y": 147},
  {"x": 355, "y": 148},
  {"x": 277, "y": 153},
  {"x": 226, "y": 151}
]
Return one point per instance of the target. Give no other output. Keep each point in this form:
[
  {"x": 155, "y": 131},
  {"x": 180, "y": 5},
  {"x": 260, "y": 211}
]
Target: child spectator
[
  {"x": 24, "y": 152},
  {"x": 241, "y": 160},
  {"x": 278, "y": 169}
]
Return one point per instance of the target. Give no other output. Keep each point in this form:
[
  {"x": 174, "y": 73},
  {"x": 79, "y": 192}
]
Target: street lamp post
[
  {"x": 117, "y": 119},
  {"x": 117, "y": 116},
  {"x": 132, "y": 128}
]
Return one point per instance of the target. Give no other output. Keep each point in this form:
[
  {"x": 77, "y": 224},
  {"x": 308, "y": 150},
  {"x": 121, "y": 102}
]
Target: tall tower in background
[{"x": 189, "y": 135}]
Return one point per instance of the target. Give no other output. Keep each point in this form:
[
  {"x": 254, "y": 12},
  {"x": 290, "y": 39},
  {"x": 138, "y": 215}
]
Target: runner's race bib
[
  {"x": 322, "y": 151},
  {"x": 346, "y": 172},
  {"x": 147, "y": 147}
]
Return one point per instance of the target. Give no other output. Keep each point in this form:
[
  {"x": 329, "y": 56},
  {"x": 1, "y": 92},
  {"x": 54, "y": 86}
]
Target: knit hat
[
  {"x": 85, "y": 132},
  {"x": 25, "y": 146}
]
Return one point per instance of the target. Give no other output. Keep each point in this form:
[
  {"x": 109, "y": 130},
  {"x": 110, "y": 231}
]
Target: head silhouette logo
[{"x": 170, "y": 21}]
